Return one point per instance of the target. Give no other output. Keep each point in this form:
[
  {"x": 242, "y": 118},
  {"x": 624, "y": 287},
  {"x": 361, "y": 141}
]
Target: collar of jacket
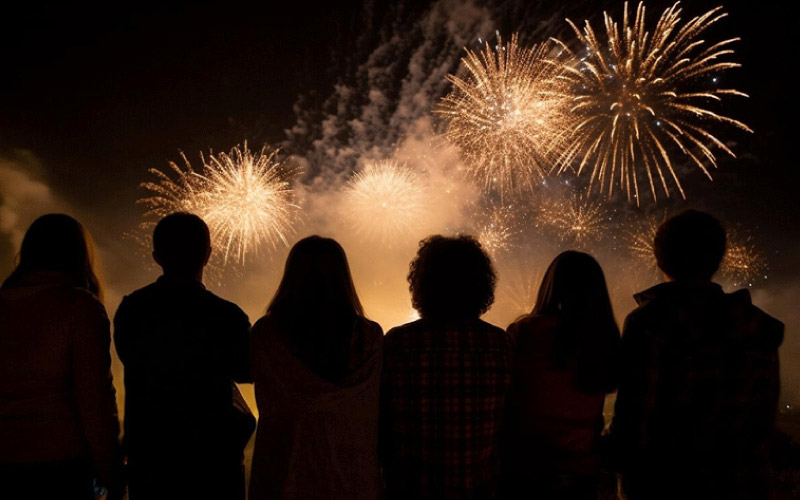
[
  {"x": 179, "y": 282},
  {"x": 687, "y": 288}
]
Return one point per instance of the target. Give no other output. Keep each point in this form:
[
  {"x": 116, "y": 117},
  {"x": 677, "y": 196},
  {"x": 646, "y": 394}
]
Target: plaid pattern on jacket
[
  {"x": 698, "y": 394},
  {"x": 442, "y": 403}
]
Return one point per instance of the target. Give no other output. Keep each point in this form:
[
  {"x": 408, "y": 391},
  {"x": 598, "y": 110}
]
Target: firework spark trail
[
  {"x": 497, "y": 232},
  {"x": 577, "y": 220},
  {"x": 743, "y": 263},
  {"x": 639, "y": 242},
  {"x": 508, "y": 116},
  {"x": 244, "y": 198},
  {"x": 520, "y": 290},
  {"x": 386, "y": 202},
  {"x": 642, "y": 95}
]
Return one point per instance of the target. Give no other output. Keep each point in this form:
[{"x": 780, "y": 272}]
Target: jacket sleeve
[
  {"x": 121, "y": 328},
  {"x": 94, "y": 391},
  {"x": 239, "y": 356},
  {"x": 638, "y": 377},
  {"x": 385, "y": 406}
]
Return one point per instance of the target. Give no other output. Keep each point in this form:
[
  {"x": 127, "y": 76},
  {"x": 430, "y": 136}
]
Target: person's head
[
  {"x": 316, "y": 306},
  {"x": 451, "y": 278},
  {"x": 574, "y": 291},
  {"x": 181, "y": 245},
  {"x": 573, "y": 283},
  {"x": 690, "y": 246},
  {"x": 57, "y": 242},
  {"x": 316, "y": 281}
]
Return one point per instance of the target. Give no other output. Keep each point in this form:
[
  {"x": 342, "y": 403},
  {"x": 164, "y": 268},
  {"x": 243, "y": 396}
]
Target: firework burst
[
  {"x": 244, "y": 197},
  {"x": 496, "y": 233},
  {"x": 507, "y": 116},
  {"x": 385, "y": 202},
  {"x": 520, "y": 290},
  {"x": 644, "y": 95},
  {"x": 743, "y": 263},
  {"x": 577, "y": 220},
  {"x": 639, "y": 243}
]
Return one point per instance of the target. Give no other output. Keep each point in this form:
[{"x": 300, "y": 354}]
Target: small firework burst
[
  {"x": 244, "y": 197},
  {"x": 642, "y": 95},
  {"x": 639, "y": 243},
  {"x": 508, "y": 116},
  {"x": 743, "y": 264},
  {"x": 386, "y": 202},
  {"x": 576, "y": 220},
  {"x": 521, "y": 289},
  {"x": 497, "y": 231}
]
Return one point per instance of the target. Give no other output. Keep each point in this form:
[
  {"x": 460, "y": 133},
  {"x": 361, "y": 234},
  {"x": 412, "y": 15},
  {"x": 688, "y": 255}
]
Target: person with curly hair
[{"x": 445, "y": 379}]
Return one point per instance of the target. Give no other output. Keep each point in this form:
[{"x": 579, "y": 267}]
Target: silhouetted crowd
[{"x": 445, "y": 407}]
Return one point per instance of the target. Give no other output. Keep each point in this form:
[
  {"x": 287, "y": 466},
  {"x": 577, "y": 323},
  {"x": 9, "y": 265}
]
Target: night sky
[{"x": 90, "y": 99}]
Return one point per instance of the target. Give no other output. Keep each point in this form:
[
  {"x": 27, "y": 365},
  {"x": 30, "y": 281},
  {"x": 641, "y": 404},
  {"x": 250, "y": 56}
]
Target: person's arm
[
  {"x": 94, "y": 392},
  {"x": 638, "y": 376},
  {"x": 122, "y": 327},
  {"x": 384, "y": 412},
  {"x": 239, "y": 356}
]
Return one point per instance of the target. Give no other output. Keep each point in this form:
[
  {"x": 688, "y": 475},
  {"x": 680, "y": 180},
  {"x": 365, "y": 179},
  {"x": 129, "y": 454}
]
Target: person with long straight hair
[
  {"x": 58, "y": 415},
  {"x": 565, "y": 356},
  {"x": 316, "y": 363}
]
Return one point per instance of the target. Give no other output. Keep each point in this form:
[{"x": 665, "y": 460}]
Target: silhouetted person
[
  {"x": 564, "y": 364},
  {"x": 182, "y": 348},
  {"x": 699, "y": 378},
  {"x": 58, "y": 414},
  {"x": 316, "y": 366},
  {"x": 445, "y": 379}
]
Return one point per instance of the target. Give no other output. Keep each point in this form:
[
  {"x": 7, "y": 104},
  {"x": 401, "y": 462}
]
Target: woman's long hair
[
  {"x": 57, "y": 242},
  {"x": 316, "y": 306},
  {"x": 574, "y": 291}
]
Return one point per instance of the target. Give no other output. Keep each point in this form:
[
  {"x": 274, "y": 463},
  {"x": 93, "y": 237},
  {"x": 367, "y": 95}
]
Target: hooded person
[{"x": 316, "y": 364}]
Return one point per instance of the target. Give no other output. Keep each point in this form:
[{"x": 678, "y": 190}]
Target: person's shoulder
[
  {"x": 489, "y": 328},
  {"x": 265, "y": 326},
  {"x": 533, "y": 323},
  {"x": 405, "y": 328},
  {"x": 495, "y": 335},
  {"x": 371, "y": 328},
  {"x": 83, "y": 300},
  {"x": 402, "y": 332},
  {"x": 532, "y": 328},
  {"x": 755, "y": 322},
  {"x": 219, "y": 304},
  {"x": 142, "y": 294}
]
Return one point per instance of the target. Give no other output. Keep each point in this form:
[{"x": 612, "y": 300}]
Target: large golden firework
[
  {"x": 641, "y": 96},
  {"x": 386, "y": 202},
  {"x": 743, "y": 264},
  {"x": 507, "y": 116},
  {"x": 576, "y": 220},
  {"x": 244, "y": 197}
]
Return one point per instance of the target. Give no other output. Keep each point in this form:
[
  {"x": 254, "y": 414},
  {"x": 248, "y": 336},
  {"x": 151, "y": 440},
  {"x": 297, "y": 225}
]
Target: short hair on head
[
  {"x": 690, "y": 246},
  {"x": 181, "y": 242},
  {"x": 451, "y": 278}
]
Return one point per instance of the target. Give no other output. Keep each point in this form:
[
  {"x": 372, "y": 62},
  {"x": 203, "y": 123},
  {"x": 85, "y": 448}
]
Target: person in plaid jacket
[
  {"x": 699, "y": 378},
  {"x": 445, "y": 379}
]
